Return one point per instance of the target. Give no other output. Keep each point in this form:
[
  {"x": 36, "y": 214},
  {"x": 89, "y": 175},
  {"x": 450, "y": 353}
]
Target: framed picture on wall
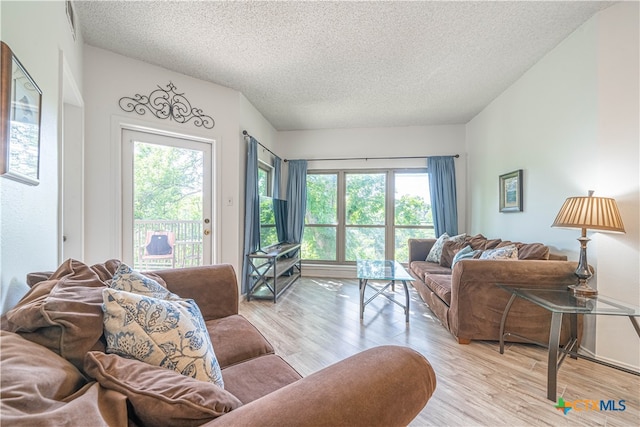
[
  {"x": 511, "y": 191},
  {"x": 20, "y": 102}
]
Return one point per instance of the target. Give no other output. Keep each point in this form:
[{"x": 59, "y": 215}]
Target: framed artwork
[
  {"x": 511, "y": 191},
  {"x": 20, "y": 102}
]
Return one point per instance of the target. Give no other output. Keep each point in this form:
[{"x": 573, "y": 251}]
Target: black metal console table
[{"x": 273, "y": 270}]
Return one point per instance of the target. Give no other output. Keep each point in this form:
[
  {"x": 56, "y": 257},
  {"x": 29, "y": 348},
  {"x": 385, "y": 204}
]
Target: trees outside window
[
  {"x": 412, "y": 211},
  {"x": 365, "y": 209},
  {"x": 168, "y": 183},
  {"x": 268, "y": 232},
  {"x": 365, "y": 214},
  {"x": 321, "y": 219},
  {"x": 264, "y": 180}
]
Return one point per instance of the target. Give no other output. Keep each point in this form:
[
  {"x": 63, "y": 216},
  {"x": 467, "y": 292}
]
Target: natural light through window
[{"x": 355, "y": 215}]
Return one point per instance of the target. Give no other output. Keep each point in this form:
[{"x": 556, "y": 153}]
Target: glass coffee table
[
  {"x": 391, "y": 271},
  {"x": 559, "y": 302}
]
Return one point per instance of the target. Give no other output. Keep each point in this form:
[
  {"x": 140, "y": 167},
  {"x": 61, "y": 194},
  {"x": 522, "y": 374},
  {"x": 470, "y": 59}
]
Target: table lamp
[{"x": 593, "y": 213}]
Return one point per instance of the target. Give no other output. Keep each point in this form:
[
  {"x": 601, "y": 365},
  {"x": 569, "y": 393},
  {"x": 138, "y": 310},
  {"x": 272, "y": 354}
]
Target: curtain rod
[
  {"x": 375, "y": 158},
  {"x": 245, "y": 133}
]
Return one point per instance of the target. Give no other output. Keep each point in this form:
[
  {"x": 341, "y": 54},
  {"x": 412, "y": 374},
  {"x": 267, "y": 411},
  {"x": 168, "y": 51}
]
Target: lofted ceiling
[{"x": 322, "y": 64}]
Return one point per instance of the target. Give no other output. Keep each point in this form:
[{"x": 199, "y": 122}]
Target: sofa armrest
[
  {"x": 419, "y": 249},
  {"x": 477, "y": 303},
  {"x": 382, "y": 386},
  {"x": 213, "y": 287}
]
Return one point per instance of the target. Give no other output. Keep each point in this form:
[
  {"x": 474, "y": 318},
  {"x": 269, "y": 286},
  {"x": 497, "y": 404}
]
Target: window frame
[
  {"x": 269, "y": 172},
  {"x": 268, "y": 169},
  {"x": 389, "y": 223}
]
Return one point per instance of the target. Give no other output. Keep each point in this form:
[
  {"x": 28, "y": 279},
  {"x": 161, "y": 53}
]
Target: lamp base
[{"x": 583, "y": 290}]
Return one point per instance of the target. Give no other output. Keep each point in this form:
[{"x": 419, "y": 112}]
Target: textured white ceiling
[{"x": 318, "y": 64}]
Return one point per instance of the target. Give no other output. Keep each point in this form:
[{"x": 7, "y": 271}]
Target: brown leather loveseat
[{"x": 55, "y": 371}]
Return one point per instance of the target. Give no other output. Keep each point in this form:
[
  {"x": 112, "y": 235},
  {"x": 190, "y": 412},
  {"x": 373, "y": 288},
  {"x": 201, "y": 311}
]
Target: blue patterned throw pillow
[
  {"x": 465, "y": 253},
  {"x": 436, "y": 250},
  {"x": 167, "y": 333},
  {"x": 127, "y": 279},
  {"x": 506, "y": 252}
]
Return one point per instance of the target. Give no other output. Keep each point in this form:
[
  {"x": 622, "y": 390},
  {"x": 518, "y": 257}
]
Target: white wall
[
  {"x": 108, "y": 77},
  {"x": 39, "y": 35},
  {"x": 571, "y": 122},
  {"x": 618, "y": 172},
  {"x": 254, "y": 122}
]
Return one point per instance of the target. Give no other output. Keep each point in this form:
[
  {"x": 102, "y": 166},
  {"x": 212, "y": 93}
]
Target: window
[
  {"x": 268, "y": 232},
  {"x": 412, "y": 211},
  {"x": 365, "y": 214},
  {"x": 264, "y": 180},
  {"x": 321, "y": 219}
]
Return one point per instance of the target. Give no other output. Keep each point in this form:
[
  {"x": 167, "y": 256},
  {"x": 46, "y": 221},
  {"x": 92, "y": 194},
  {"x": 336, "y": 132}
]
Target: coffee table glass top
[
  {"x": 563, "y": 301},
  {"x": 381, "y": 270}
]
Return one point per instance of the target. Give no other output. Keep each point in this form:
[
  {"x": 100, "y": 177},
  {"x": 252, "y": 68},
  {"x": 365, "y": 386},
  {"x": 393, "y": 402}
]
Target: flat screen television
[{"x": 273, "y": 214}]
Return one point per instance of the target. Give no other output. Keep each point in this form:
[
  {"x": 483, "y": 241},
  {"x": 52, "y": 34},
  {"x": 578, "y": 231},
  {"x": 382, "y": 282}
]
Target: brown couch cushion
[
  {"x": 235, "y": 340},
  {"x": 64, "y": 313},
  {"x": 422, "y": 268},
  {"x": 40, "y": 388},
  {"x": 258, "y": 377},
  {"x": 533, "y": 251},
  {"x": 440, "y": 284},
  {"x": 32, "y": 371},
  {"x": 492, "y": 244},
  {"x": 477, "y": 242},
  {"x": 449, "y": 250},
  {"x": 160, "y": 396}
]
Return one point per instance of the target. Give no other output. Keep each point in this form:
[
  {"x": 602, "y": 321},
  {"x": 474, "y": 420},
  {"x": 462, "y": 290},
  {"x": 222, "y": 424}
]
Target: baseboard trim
[
  {"x": 590, "y": 353},
  {"x": 330, "y": 271}
]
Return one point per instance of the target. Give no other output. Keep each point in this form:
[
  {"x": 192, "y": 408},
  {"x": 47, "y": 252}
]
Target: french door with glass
[{"x": 166, "y": 201}]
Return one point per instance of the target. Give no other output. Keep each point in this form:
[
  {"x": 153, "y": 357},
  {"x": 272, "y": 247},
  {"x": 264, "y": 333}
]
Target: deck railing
[{"x": 187, "y": 251}]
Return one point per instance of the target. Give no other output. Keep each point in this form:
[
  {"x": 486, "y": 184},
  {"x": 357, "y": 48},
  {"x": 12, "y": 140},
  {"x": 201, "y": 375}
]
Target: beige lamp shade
[{"x": 592, "y": 213}]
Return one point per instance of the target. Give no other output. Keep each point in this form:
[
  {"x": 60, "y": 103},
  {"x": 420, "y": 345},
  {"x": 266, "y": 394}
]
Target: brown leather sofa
[
  {"x": 466, "y": 299},
  {"x": 54, "y": 370}
]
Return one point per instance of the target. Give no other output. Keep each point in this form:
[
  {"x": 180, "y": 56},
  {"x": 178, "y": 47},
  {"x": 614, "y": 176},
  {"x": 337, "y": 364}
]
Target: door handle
[{"x": 207, "y": 232}]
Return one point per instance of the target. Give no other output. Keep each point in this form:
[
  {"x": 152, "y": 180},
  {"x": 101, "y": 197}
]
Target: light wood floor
[{"x": 316, "y": 323}]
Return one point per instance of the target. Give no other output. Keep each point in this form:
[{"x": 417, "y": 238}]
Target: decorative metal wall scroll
[{"x": 167, "y": 104}]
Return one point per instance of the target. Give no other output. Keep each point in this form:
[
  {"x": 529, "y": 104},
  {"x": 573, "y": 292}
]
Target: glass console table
[
  {"x": 382, "y": 270},
  {"x": 559, "y": 302}
]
